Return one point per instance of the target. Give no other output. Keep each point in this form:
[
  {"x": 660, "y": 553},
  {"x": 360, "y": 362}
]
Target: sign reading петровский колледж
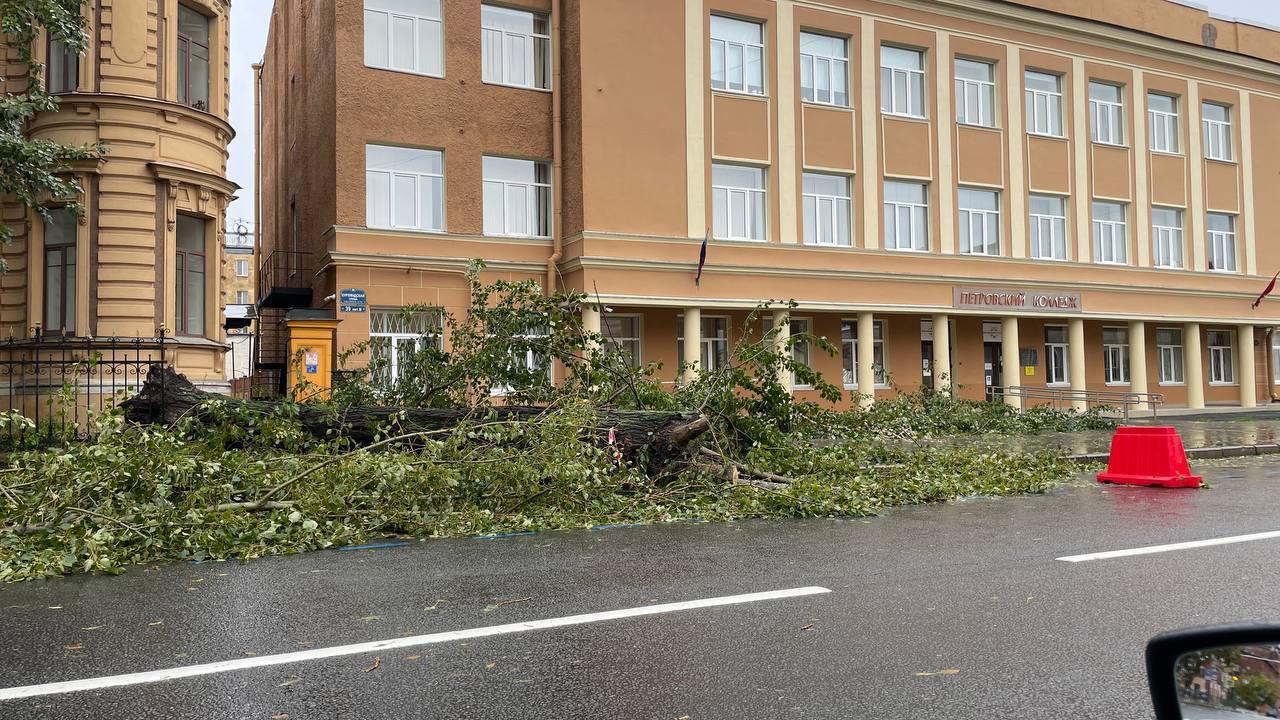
[{"x": 1001, "y": 299}]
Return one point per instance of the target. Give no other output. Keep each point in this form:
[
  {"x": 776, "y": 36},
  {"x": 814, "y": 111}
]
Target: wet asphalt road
[{"x": 956, "y": 611}]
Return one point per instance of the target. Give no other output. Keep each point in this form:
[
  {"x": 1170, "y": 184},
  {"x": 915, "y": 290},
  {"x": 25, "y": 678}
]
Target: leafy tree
[
  {"x": 31, "y": 169},
  {"x": 1253, "y": 690}
]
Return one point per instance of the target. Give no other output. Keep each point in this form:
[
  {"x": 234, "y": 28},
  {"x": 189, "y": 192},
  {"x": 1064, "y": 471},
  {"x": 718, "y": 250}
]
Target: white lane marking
[
  {"x": 71, "y": 686},
  {"x": 1152, "y": 549}
]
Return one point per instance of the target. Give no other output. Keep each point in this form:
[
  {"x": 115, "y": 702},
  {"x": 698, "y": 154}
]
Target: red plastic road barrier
[{"x": 1148, "y": 456}]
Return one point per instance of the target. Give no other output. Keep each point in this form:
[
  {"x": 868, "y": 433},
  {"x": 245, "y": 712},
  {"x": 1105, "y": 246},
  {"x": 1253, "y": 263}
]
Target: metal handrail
[{"x": 1059, "y": 396}]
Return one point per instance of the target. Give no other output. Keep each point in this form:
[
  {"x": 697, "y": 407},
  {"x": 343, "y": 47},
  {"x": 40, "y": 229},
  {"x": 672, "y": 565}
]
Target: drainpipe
[
  {"x": 257, "y": 160},
  {"x": 557, "y": 189}
]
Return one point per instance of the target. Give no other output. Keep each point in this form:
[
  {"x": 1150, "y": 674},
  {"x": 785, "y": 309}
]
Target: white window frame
[
  {"x": 242, "y": 264},
  {"x": 418, "y": 178},
  {"x": 708, "y": 357},
  {"x": 1057, "y": 357},
  {"x": 619, "y": 343},
  {"x": 395, "y": 337},
  {"x": 1113, "y": 235},
  {"x": 815, "y": 63},
  {"x": 1221, "y": 245},
  {"x": 1222, "y": 367},
  {"x": 530, "y": 358},
  {"x": 371, "y": 7},
  {"x": 726, "y": 46},
  {"x": 531, "y": 81},
  {"x": 1217, "y": 134},
  {"x": 827, "y": 210},
  {"x": 1170, "y": 357},
  {"x": 976, "y": 116},
  {"x": 1166, "y": 121},
  {"x": 1052, "y": 101},
  {"x": 914, "y": 223},
  {"x": 849, "y": 350},
  {"x": 749, "y": 203},
  {"x": 242, "y": 297},
  {"x": 981, "y": 220},
  {"x": 1109, "y": 110},
  {"x": 1166, "y": 240},
  {"x": 900, "y": 81},
  {"x": 1057, "y": 231},
  {"x": 1115, "y": 358},
  {"x": 531, "y": 200}
]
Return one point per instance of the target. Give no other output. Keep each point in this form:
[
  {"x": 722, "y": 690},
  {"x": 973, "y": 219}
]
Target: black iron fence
[{"x": 54, "y": 385}]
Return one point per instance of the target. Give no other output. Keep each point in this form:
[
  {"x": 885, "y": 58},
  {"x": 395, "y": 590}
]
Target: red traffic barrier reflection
[{"x": 1148, "y": 456}]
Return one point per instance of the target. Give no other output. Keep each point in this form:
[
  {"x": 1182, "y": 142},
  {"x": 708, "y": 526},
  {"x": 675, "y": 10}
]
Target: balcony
[
  {"x": 285, "y": 280},
  {"x": 238, "y": 316}
]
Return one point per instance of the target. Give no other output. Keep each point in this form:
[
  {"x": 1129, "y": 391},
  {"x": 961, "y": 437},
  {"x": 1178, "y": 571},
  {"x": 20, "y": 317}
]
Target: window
[
  {"x": 242, "y": 297},
  {"x": 737, "y": 200},
  {"x": 1055, "y": 355},
  {"x": 193, "y": 58},
  {"x": 979, "y": 222},
  {"x": 404, "y": 188},
  {"x": 737, "y": 55},
  {"x": 1048, "y": 227},
  {"x": 828, "y": 209},
  {"x": 622, "y": 336},
  {"x": 975, "y": 93},
  {"x": 1169, "y": 355},
  {"x": 1115, "y": 355},
  {"x": 405, "y": 35},
  {"x": 901, "y": 81},
  {"x": 190, "y": 275},
  {"x": 1106, "y": 113},
  {"x": 849, "y": 352},
  {"x": 906, "y": 216},
  {"x": 1162, "y": 110},
  {"x": 517, "y": 197},
  {"x": 527, "y": 362},
  {"x": 1166, "y": 237},
  {"x": 1044, "y": 103},
  {"x": 1222, "y": 242},
  {"x": 1109, "y": 221},
  {"x": 60, "y": 271},
  {"x": 824, "y": 69},
  {"x": 515, "y": 48},
  {"x": 396, "y": 335},
  {"x": 1217, "y": 131},
  {"x": 242, "y": 268},
  {"x": 1221, "y": 358},
  {"x": 63, "y": 68},
  {"x": 715, "y": 342}
]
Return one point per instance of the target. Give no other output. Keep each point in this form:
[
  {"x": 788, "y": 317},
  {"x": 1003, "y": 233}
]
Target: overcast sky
[{"x": 250, "y": 18}]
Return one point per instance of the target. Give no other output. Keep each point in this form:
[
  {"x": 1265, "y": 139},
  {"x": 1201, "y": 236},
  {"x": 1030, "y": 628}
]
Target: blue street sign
[{"x": 352, "y": 296}]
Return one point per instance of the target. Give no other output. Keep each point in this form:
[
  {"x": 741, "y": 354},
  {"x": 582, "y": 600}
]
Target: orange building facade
[{"x": 1077, "y": 191}]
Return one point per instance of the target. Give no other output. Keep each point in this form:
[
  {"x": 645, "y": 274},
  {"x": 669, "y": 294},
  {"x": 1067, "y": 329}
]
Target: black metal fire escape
[{"x": 284, "y": 283}]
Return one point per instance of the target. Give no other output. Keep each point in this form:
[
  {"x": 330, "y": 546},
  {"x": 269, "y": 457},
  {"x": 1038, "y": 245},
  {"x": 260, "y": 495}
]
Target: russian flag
[{"x": 702, "y": 261}]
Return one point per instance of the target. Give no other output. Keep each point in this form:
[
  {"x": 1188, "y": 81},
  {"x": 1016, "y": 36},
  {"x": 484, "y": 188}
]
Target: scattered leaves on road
[
  {"x": 413, "y": 657},
  {"x": 157, "y": 623},
  {"x": 500, "y": 603},
  {"x": 432, "y": 607},
  {"x": 370, "y": 618},
  {"x": 946, "y": 671},
  {"x": 807, "y": 627},
  {"x": 290, "y": 681},
  {"x": 377, "y": 662},
  {"x": 92, "y": 627},
  {"x": 73, "y": 646},
  {"x": 280, "y": 716}
]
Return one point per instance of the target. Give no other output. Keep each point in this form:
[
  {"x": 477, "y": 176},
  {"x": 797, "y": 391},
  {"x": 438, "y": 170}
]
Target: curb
[{"x": 1221, "y": 451}]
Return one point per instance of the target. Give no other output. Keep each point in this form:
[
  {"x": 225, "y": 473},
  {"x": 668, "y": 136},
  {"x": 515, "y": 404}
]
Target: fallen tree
[{"x": 654, "y": 438}]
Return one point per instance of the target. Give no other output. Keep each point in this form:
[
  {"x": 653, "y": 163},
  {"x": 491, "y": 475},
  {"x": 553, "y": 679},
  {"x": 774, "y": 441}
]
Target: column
[
  {"x": 1193, "y": 360},
  {"x": 866, "y": 359},
  {"x": 946, "y": 160},
  {"x": 591, "y": 326},
  {"x": 782, "y": 321},
  {"x": 1017, "y": 166},
  {"x": 1138, "y": 356},
  {"x": 1010, "y": 363},
  {"x": 1246, "y": 372},
  {"x": 695, "y": 82},
  {"x": 941, "y": 353},
  {"x": 1075, "y": 352},
  {"x": 787, "y": 98},
  {"x": 692, "y": 344},
  {"x": 870, "y": 180}
]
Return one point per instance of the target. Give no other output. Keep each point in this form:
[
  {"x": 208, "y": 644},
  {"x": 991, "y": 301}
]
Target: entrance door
[
  {"x": 926, "y": 357},
  {"x": 991, "y": 367}
]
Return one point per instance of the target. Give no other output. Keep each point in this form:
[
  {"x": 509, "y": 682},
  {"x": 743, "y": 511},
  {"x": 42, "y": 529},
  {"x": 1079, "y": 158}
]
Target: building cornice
[
  {"x": 424, "y": 235},
  {"x": 183, "y": 174},
  {"x": 170, "y": 109},
  {"x": 422, "y": 262}
]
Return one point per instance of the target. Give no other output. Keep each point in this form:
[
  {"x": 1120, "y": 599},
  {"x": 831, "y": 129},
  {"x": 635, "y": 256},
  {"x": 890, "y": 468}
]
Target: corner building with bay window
[{"x": 1073, "y": 194}]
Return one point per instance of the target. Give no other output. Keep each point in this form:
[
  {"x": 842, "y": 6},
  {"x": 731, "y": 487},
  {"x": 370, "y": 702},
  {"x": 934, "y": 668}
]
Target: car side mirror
[{"x": 1229, "y": 672}]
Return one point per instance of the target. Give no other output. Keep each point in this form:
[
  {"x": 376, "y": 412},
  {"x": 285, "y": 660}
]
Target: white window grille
[
  {"x": 404, "y": 35},
  {"x": 1109, "y": 237},
  {"x": 906, "y": 216},
  {"x": 1115, "y": 355},
  {"x": 1169, "y": 355},
  {"x": 515, "y": 47},
  {"x": 849, "y": 353},
  {"x": 1044, "y": 103},
  {"x": 404, "y": 188},
  {"x": 738, "y": 202},
  {"x": 1221, "y": 357},
  {"x": 1162, "y": 112},
  {"x": 1216, "y": 120},
  {"x": 824, "y": 69},
  {"x": 1055, "y": 355},
  {"x": 1222, "y": 242},
  {"x": 1106, "y": 110},
  {"x": 397, "y": 335},
  {"x": 1166, "y": 237},
  {"x": 975, "y": 93},
  {"x": 737, "y": 55},
  {"x": 828, "y": 209},
  {"x": 979, "y": 222},
  {"x": 517, "y": 197},
  {"x": 1048, "y": 227},
  {"x": 901, "y": 81}
]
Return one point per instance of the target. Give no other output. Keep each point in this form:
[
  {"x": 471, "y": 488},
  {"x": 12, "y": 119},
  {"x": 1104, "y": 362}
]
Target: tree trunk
[{"x": 654, "y": 438}]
